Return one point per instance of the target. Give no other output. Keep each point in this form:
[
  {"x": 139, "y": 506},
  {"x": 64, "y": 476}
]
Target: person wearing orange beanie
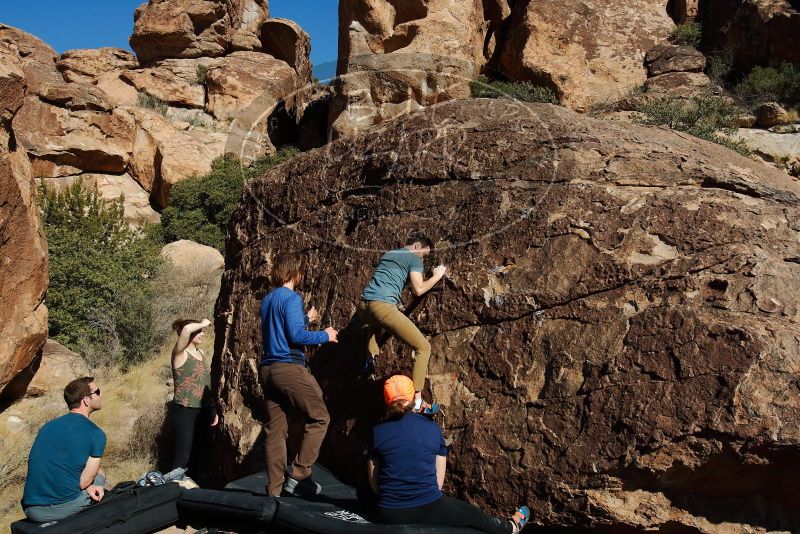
[{"x": 408, "y": 479}]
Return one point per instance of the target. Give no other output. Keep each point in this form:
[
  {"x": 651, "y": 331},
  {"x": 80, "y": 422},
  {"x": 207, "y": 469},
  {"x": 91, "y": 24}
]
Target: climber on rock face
[
  {"x": 289, "y": 387},
  {"x": 378, "y": 306}
]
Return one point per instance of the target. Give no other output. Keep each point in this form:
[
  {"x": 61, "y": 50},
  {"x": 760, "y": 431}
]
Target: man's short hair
[
  {"x": 76, "y": 390},
  {"x": 419, "y": 237},
  {"x": 287, "y": 267}
]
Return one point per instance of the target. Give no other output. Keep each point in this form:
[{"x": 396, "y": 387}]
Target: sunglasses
[{"x": 95, "y": 392}]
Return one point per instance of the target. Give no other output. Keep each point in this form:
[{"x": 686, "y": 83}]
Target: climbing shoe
[
  {"x": 368, "y": 367},
  {"x": 520, "y": 518},
  {"x": 301, "y": 488},
  {"x": 429, "y": 409}
]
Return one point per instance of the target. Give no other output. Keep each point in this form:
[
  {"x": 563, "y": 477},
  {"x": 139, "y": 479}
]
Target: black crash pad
[
  {"x": 131, "y": 511},
  {"x": 235, "y": 510},
  {"x": 336, "y": 510}
]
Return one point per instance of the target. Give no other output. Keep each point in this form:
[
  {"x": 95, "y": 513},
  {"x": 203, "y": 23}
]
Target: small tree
[
  {"x": 688, "y": 34},
  {"x": 200, "y": 208},
  {"x": 99, "y": 297},
  {"x": 522, "y": 91},
  {"x": 770, "y": 84},
  {"x": 703, "y": 116}
]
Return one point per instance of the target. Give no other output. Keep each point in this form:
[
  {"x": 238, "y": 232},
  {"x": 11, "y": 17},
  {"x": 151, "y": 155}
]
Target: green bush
[
  {"x": 702, "y": 116},
  {"x": 719, "y": 67},
  {"x": 99, "y": 297},
  {"x": 202, "y": 74},
  {"x": 686, "y": 34},
  {"x": 770, "y": 84},
  {"x": 523, "y": 91},
  {"x": 200, "y": 208},
  {"x": 148, "y": 101}
]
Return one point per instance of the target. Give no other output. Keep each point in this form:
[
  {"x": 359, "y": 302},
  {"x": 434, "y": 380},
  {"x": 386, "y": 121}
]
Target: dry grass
[
  {"x": 134, "y": 401},
  {"x": 128, "y": 400}
]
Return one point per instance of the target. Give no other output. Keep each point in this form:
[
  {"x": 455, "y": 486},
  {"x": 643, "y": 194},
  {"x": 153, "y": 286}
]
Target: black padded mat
[{"x": 336, "y": 510}]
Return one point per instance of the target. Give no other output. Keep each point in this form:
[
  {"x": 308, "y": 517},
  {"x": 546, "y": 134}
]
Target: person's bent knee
[
  {"x": 423, "y": 349},
  {"x": 320, "y": 418}
]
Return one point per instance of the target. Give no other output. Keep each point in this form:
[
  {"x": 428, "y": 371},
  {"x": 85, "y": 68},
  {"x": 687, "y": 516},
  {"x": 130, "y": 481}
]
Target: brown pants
[
  {"x": 385, "y": 316},
  {"x": 290, "y": 388}
]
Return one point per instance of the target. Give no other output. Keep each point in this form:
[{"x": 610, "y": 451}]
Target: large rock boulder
[
  {"x": 752, "y": 32},
  {"x": 61, "y": 141},
  {"x": 194, "y": 28},
  {"x": 23, "y": 263},
  {"x": 57, "y": 367},
  {"x": 162, "y": 155},
  {"x": 396, "y": 57},
  {"x": 617, "y": 338},
  {"x": 88, "y": 64},
  {"x": 239, "y": 79},
  {"x": 36, "y": 59},
  {"x": 773, "y": 147},
  {"x": 188, "y": 257},
  {"x": 662, "y": 59},
  {"x": 589, "y": 52},
  {"x": 178, "y": 82},
  {"x": 285, "y": 40}
]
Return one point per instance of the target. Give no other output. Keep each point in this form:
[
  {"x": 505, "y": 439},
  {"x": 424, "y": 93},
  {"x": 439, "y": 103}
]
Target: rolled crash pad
[
  {"x": 226, "y": 508},
  {"x": 122, "y": 511}
]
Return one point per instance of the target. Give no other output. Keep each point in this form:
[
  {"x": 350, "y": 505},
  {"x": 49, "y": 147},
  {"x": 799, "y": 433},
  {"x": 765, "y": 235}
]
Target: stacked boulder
[
  {"x": 206, "y": 79},
  {"x": 675, "y": 70}
]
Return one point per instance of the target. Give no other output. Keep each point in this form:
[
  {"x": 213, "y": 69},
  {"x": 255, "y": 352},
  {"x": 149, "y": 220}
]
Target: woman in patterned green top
[{"x": 191, "y": 376}]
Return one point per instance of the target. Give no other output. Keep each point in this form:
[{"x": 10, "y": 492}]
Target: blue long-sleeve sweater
[{"x": 283, "y": 328}]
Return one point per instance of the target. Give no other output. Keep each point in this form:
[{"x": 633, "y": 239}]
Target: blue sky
[{"x": 67, "y": 24}]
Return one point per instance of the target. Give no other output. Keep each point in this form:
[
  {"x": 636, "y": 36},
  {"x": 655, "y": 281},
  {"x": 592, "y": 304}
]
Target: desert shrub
[
  {"x": 686, "y": 34},
  {"x": 719, "y": 67},
  {"x": 202, "y": 74},
  {"x": 148, "y": 101},
  {"x": 703, "y": 116},
  {"x": 200, "y": 208},
  {"x": 100, "y": 296},
  {"x": 770, "y": 84},
  {"x": 522, "y": 91}
]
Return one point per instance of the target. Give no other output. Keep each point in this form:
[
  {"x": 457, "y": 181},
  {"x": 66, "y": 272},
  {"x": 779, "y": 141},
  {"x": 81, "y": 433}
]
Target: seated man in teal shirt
[
  {"x": 64, "y": 473},
  {"x": 378, "y": 306}
]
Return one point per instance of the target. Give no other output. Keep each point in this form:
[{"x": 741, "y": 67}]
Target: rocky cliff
[
  {"x": 208, "y": 78},
  {"x": 751, "y": 32},
  {"x": 23, "y": 251},
  {"x": 589, "y": 52},
  {"x": 398, "y": 56},
  {"x": 617, "y": 339}
]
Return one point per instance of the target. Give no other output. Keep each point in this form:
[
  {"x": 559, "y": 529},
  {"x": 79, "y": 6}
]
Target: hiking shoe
[
  {"x": 520, "y": 518},
  {"x": 429, "y": 409},
  {"x": 301, "y": 488}
]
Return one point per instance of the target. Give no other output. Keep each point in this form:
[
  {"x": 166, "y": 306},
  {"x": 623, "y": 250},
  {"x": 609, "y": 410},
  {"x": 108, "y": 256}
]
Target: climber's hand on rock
[{"x": 332, "y": 333}]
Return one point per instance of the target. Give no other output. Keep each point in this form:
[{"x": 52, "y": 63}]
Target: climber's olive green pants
[{"x": 385, "y": 316}]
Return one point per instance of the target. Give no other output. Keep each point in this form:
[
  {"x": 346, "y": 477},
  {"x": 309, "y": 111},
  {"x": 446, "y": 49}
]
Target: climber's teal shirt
[{"x": 391, "y": 274}]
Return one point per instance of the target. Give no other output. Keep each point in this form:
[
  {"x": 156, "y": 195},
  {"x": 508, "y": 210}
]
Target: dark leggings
[
  {"x": 184, "y": 421},
  {"x": 447, "y": 511}
]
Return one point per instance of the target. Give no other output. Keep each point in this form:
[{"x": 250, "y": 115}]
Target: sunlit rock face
[{"x": 617, "y": 338}]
